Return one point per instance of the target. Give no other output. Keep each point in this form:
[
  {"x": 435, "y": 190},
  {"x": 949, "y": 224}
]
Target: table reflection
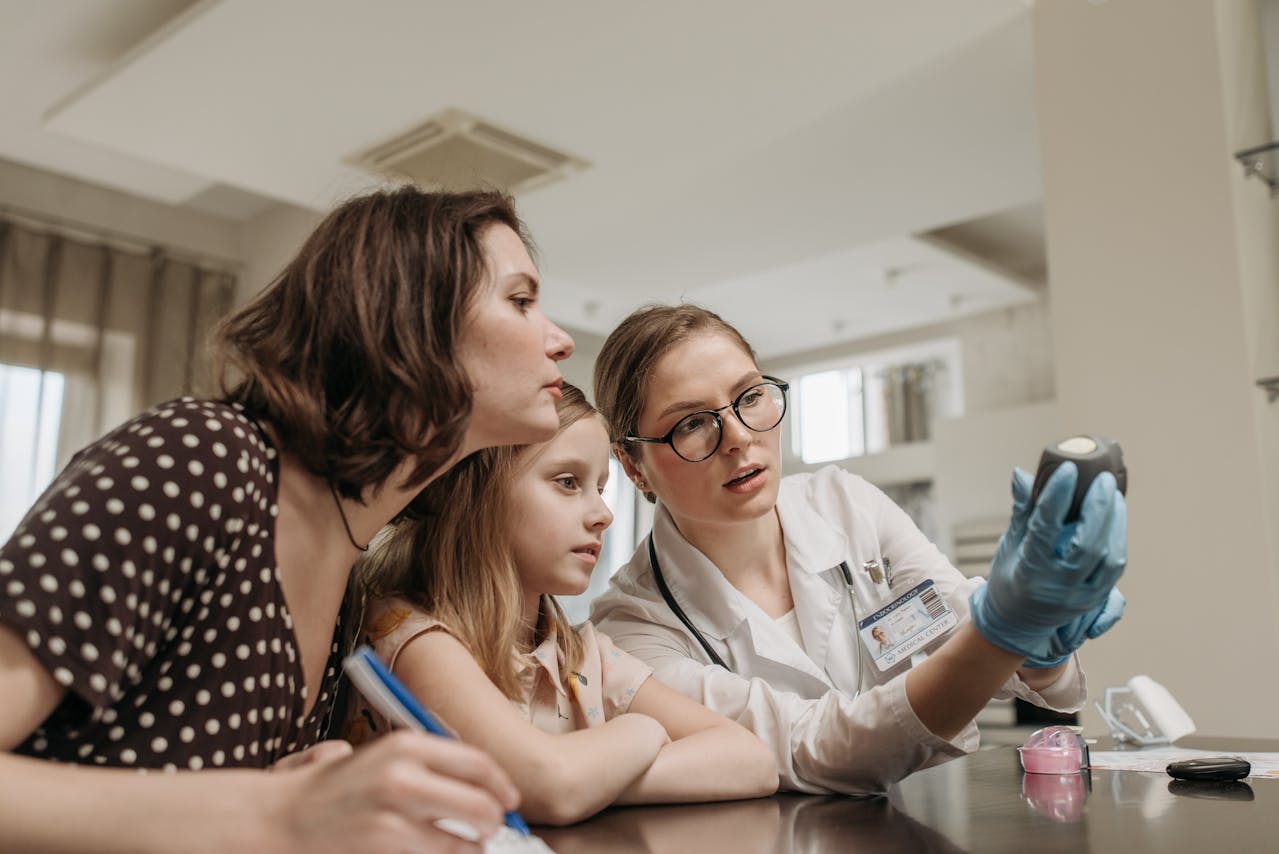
[
  {"x": 983, "y": 802},
  {"x": 1213, "y": 790},
  {"x": 745, "y": 826},
  {"x": 1059, "y": 797},
  {"x": 781, "y": 824}
]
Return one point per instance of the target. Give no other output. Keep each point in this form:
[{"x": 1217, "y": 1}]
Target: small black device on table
[{"x": 1210, "y": 768}]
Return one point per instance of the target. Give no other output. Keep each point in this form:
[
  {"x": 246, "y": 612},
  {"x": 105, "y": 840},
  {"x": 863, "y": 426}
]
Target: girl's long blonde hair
[{"x": 457, "y": 562}]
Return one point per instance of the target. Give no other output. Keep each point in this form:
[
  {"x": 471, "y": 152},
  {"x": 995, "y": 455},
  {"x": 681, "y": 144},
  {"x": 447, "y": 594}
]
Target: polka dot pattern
[{"x": 144, "y": 581}]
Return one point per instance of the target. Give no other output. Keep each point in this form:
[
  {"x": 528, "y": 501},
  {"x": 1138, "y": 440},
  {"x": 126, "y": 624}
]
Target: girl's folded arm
[
  {"x": 709, "y": 757},
  {"x": 562, "y": 778}
]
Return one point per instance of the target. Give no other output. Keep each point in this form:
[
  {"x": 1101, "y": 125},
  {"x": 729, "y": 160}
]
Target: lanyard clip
[{"x": 872, "y": 568}]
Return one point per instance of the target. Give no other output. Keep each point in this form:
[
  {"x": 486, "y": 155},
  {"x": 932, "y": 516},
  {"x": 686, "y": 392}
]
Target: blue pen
[{"x": 398, "y": 705}]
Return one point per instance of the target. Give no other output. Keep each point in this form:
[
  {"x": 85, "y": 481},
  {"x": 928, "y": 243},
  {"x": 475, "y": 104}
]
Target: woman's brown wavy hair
[
  {"x": 457, "y": 563},
  {"x": 349, "y": 354}
]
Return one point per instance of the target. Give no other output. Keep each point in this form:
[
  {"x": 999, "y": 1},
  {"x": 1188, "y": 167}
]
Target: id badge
[{"x": 905, "y": 625}]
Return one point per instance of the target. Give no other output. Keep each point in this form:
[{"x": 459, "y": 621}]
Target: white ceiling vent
[{"x": 454, "y": 150}]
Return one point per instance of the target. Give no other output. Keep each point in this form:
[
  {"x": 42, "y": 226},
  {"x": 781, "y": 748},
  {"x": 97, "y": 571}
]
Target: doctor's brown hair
[
  {"x": 625, "y": 363},
  {"x": 457, "y": 562},
  {"x": 349, "y": 353}
]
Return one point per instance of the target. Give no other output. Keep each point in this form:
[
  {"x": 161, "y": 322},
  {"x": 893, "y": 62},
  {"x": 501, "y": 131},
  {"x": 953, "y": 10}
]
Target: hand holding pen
[
  {"x": 389, "y": 795},
  {"x": 396, "y": 703}
]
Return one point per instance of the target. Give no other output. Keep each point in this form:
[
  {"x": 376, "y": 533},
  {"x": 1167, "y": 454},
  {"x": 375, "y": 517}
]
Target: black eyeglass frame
[{"x": 669, "y": 438}]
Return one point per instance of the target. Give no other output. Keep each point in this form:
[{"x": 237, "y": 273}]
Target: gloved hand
[
  {"x": 1070, "y": 637},
  {"x": 1046, "y": 574}
]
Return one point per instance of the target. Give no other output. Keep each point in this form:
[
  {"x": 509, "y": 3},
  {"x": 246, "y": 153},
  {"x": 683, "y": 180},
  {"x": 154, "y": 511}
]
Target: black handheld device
[
  {"x": 1091, "y": 455},
  {"x": 1210, "y": 768}
]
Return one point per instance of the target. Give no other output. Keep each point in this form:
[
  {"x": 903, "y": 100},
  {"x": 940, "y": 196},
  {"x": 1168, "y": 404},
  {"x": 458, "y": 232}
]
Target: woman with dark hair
[
  {"x": 794, "y": 605},
  {"x": 172, "y": 600}
]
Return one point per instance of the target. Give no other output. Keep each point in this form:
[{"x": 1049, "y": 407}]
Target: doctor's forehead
[{"x": 701, "y": 368}]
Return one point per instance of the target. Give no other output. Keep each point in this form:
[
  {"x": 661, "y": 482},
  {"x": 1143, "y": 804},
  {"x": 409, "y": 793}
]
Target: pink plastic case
[{"x": 1052, "y": 750}]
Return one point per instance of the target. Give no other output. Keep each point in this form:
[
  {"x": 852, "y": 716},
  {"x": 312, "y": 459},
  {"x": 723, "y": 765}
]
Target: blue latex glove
[
  {"x": 1046, "y": 574},
  {"x": 1070, "y": 637}
]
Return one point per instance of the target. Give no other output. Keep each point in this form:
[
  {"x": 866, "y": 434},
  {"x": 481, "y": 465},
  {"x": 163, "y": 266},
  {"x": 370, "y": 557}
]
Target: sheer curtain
[
  {"x": 91, "y": 332},
  {"x": 908, "y": 400}
]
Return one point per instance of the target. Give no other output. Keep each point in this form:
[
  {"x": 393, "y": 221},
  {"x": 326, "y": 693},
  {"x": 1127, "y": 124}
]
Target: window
[
  {"x": 830, "y": 415},
  {"x": 30, "y": 417},
  {"x": 869, "y": 403}
]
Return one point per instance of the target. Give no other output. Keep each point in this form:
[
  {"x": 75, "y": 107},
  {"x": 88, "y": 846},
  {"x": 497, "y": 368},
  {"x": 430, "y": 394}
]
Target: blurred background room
[{"x": 960, "y": 229}]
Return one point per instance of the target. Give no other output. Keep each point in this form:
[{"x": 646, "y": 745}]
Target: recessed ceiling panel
[
  {"x": 454, "y": 150},
  {"x": 724, "y": 138},
  {"x": 872, "y": 290}
]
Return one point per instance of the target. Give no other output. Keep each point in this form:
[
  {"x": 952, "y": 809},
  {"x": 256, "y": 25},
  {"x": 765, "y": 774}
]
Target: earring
[{"x": 641, "y": 485}]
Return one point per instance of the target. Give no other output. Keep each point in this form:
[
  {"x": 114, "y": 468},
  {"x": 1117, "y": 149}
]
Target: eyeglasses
[{"x": 696, "y": 436}]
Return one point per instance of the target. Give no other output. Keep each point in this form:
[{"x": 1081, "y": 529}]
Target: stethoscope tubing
[
  {"x": 711, "y": 654},
  {"x": 677, "y": 610}
]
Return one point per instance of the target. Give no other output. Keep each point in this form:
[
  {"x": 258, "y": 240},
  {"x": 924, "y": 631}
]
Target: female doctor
[{"x": 766, "y": 597}]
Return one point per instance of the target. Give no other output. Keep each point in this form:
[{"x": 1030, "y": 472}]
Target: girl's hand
[{"x": 387, "y": 797}]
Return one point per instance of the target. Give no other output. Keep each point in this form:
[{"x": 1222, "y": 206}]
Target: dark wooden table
[{"x": 980, "y": 803}]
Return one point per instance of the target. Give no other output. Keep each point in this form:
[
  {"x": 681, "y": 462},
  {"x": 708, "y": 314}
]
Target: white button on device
[{"x": 1078, "y": 445}]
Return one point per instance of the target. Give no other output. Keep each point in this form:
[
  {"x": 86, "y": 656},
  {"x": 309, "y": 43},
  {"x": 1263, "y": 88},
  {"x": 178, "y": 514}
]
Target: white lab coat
[{"x": 803, "y": 701}]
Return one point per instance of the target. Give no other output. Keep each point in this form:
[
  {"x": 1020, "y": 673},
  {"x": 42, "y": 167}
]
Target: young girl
[{"x": 462, "y": 610}]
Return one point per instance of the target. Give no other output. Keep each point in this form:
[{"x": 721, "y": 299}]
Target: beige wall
[
  {"x": 1006, "y": 354},
  {"x": 1256, "y": 219},
  {"x": 268, "y": 242},
  {"x": 1008, "y": 416},
  {"x": 1159, "y": 251},
  {"x": 202, "y": 236}
]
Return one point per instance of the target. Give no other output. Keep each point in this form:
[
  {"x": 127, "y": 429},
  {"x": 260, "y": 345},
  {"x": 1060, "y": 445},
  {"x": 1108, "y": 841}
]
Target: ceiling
[{"x": 792, "y": 167}]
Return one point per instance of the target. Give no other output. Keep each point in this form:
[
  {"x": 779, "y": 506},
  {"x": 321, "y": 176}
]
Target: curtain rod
[{"x": 67, "y": 227}]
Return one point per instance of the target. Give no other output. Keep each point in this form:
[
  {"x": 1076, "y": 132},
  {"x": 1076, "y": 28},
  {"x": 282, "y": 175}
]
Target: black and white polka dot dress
[{"x": 144, "y": 579}]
